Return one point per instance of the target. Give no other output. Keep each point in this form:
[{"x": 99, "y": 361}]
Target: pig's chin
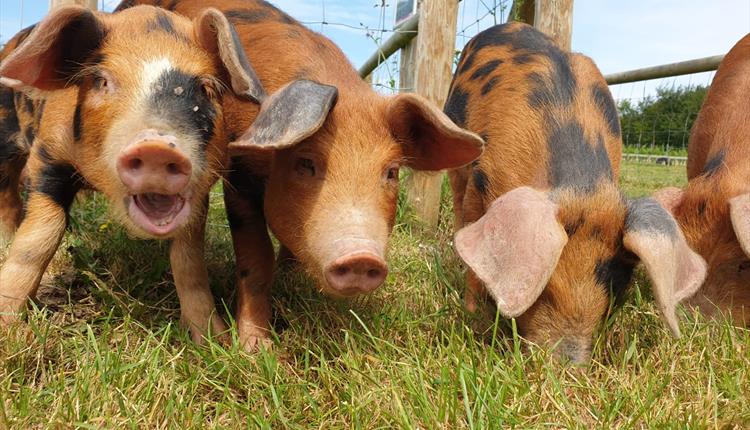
[{"x": 158, "y": 215}]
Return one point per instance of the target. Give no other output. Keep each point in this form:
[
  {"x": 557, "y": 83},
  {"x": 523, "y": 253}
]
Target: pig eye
[
  {"x": 100, "y": 83},
  {"x": 305, "y": 167},
  {"x": 744, "y": 266},
  {"x": 391, "y": 174},
  {"x": 103, "y": 83}
]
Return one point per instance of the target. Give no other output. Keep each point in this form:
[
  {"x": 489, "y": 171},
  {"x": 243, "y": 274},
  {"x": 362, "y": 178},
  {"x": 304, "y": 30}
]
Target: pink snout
[
  {"x": 154, "y": 166},
  {"x": 356, "y": 273}
]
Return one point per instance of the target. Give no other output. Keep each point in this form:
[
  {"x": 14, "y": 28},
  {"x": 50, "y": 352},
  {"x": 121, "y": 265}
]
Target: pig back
[{"x": 721, "y": 132}]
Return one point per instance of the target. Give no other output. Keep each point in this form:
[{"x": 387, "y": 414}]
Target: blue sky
[{"x": 618, "y": 35}]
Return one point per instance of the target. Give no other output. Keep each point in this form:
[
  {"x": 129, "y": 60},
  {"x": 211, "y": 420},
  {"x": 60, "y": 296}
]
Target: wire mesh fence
[{"x": 656, "y": 115}]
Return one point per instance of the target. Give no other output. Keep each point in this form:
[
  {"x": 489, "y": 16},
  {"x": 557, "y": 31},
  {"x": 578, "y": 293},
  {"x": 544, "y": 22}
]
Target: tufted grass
[{"x": 105, "y": 350}]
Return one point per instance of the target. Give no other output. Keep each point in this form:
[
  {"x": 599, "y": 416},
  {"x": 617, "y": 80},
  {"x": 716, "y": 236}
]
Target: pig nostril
[
  {"x": 173, "y": 169},
  {"x": 135, "y": 164},
  {"x": 341, "y": 271},
  {"x": 373, "y": 273}
]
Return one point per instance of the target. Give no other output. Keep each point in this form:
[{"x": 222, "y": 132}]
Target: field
[{"x": 108, "y": 352}]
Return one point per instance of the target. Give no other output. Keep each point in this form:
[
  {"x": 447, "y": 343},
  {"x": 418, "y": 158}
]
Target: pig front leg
[
  {"x": 197, "y": 306},
  {"x": 33, "y": 247},
  {"x": 254, "y": 253}
]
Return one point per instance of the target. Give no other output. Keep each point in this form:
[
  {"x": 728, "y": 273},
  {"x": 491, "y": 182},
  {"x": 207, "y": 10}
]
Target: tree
[{"x": 661, "y": 123}]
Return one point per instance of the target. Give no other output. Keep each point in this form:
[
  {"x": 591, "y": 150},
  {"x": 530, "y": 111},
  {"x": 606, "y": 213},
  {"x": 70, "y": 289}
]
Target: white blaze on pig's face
[
  {"x": 149, "y": 118},
  {"x": 139, "y": 112},
  {"x": 158, "y": 145}
]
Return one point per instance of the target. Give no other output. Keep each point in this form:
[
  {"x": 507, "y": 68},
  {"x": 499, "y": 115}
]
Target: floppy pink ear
[
  {"x": 514, "y": 248},
  {"x": 54, "y": 51},
  {"x": 430, "y": 140},
  {"x": 739, "y": 211},
  {"x": 676, "y": 271},
  {"x": 669, "y": 198}
]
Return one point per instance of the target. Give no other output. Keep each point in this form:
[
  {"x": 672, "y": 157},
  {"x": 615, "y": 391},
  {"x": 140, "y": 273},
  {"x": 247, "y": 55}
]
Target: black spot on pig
[
  {"x": 486, "y": 69},
  {"x": 481, "y": 181},
  {"x": 714, "y": 164},
  {"x": 455, "y": 108},
  {"x": 247, "y": 16},
  {"x": 77, "y": 123},
  {"x": 648, "y": 215},
  {"x": 574, "y": 162},
  {"x": 8, "y": 119},
  {"x": 614, "y": 274},
  {"x": 606, "y": 105},
  {"x": 490, "y": 85},
  {"x": 523, "y": 59},
  {"x": 179, "y": 98},
  {"x": 57, "y": 180}
]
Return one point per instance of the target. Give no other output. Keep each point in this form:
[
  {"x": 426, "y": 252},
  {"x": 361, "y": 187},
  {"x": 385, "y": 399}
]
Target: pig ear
[
  {"x": 669, "y": 198},
  {"x": 676, "y": 271},
  {"x": 514, "y": 248},
  {"x": 430, "y": 140},
  {"x": 739, "y": 210},
  {"x": 216, "y": 34},
  {"x": 290, "y": 115},
  {"x": 54, "y": 51}
]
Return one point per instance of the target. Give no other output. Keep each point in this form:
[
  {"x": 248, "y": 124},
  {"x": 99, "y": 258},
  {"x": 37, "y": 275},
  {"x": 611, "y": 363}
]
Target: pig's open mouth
[{"x": 158, "y": 214}]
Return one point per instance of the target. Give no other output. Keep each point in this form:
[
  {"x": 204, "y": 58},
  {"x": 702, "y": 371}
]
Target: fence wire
[{"x": 657, "y": 115}]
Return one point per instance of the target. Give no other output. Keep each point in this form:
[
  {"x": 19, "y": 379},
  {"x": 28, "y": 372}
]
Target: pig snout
[
  {"x": 154, "y": 166},
  {"x": 156, "y": 175},
  {"x": 358, "y": 269}
]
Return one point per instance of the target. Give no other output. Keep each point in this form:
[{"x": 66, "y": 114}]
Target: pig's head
[
  {"x": 558, "y": 260},
  {"x": 147, "y": 128},
  {"x": 331, "y": 196},
  {"x": 714, "y": 213}
]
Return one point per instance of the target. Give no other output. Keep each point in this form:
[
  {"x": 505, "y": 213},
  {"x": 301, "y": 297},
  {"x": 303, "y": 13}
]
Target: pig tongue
[{"x": 160, "y": 208}]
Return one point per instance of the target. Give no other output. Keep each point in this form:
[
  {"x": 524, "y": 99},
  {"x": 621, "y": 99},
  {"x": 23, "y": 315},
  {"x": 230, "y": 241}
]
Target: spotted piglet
[
  {"x": 129, "y": 104},
  {"x": 714, "y": 209},
  {"x": 541, "y": 222}
]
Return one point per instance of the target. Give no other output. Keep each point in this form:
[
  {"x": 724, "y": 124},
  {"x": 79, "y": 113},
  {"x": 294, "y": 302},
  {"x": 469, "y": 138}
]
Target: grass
[{"x": 107, "y": 351}]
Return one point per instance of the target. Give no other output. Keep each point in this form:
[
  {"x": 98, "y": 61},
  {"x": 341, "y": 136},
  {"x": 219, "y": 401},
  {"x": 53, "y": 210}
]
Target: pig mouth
[{"x": 158, "y": 214}]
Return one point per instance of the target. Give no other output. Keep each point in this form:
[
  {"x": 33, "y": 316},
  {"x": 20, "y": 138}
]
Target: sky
[{"x": 619, "y": 35}]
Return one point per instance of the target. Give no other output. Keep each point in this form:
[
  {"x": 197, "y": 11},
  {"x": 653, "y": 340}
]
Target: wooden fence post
[
  {"x": 553, "y": 17},
  {"x": 427, "y": 69},
  {"x": 91, "y": 4}
]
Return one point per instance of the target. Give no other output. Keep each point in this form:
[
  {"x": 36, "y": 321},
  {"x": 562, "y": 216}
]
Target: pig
[
  {"x": 541, "y": 222},
  {"x": 129, "y": 104},
  {"x": 714, "y": 209},
  {"x": 329, "y": 196}
]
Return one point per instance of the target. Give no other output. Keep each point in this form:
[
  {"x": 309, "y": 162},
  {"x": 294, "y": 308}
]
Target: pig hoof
[
  {"x": 9, "y": 317},
  {"x": 252, "y": 343}
]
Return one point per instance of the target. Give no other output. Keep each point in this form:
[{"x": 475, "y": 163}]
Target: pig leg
[
  {"x": 33, "y": 247},
  {"x": 197, "y": 306},
  {"x": 254, "y": 252}
]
